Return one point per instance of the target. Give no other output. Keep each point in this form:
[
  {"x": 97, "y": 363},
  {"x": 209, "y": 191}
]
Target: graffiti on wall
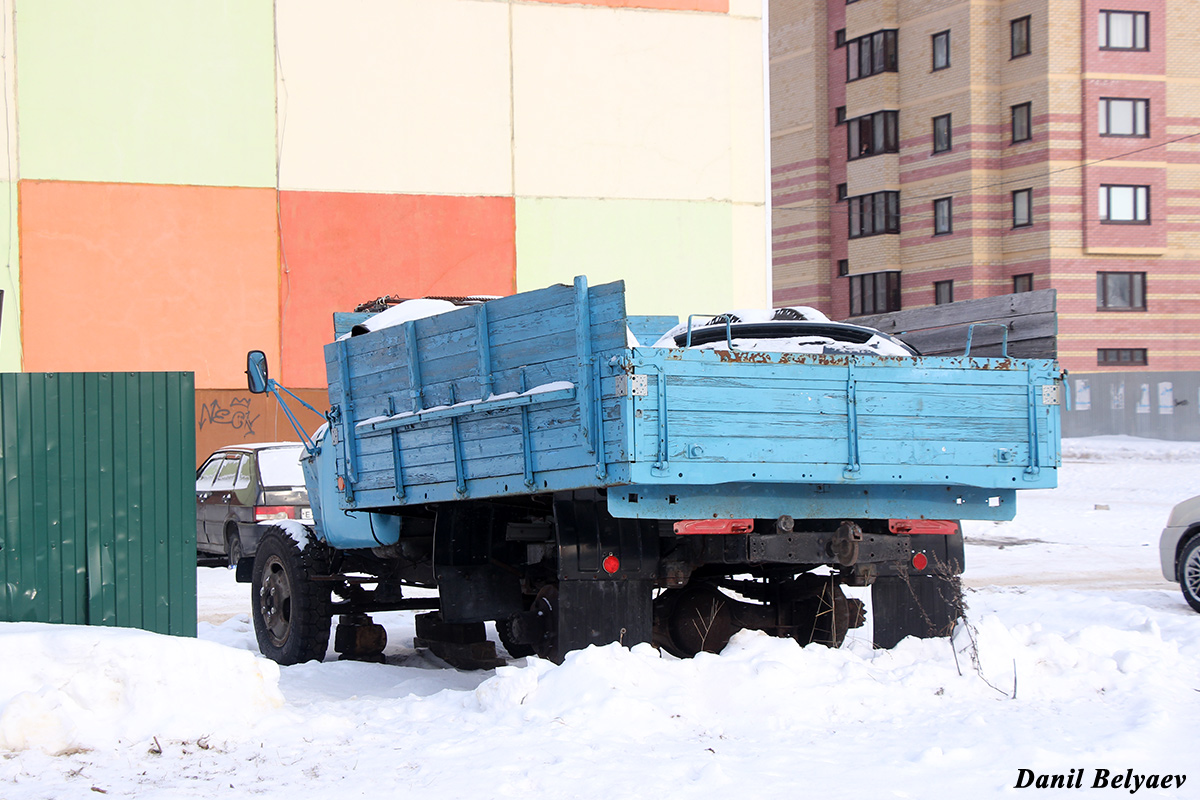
[
  {"x": 235, "y": 417},
  {"x": 236, "y": 414}
]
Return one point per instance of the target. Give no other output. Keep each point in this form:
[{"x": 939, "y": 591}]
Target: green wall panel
[
  {"x": 146, "y": 91},
  {"x": 97, "y": 502},
  {"x": 675, "y": 257}
]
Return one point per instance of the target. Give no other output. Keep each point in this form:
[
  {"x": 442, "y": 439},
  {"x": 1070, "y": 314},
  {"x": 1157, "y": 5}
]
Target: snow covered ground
[{"x": 1078, "y": 658}]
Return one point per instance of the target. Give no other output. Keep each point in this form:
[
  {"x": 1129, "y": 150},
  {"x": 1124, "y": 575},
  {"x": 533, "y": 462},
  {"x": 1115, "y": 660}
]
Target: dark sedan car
[{"x": 240, "y": 489}]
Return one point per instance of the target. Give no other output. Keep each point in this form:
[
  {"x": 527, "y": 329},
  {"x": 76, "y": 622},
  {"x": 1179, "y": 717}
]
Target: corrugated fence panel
[{"x": 99, "y": 514}]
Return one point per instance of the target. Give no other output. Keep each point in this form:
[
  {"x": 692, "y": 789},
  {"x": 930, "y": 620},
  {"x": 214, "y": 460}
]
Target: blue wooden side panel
[
  {"x": 711, "y": 417},
  {"x": 485, "y": 400}
]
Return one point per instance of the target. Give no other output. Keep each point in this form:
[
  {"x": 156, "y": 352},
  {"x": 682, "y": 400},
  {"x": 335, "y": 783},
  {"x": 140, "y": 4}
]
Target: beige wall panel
[
  {"x": 793, "y": 104},
  {"x": 874, "y": 174},
  {"x": 864, "y": 18},
  {"x": 748, "y": 112},
  {"x": 627, "y": 103},
  {"x": 751, "y": 280},
  {"x": 395, "y": 96},
  {"x": 1063, "y": 20},
  {"x": 746, "y": 8},
  {"x": 873, "y": 253},
  {"x": 868, "y": 95},
  {"x": 795, "y": 25}
]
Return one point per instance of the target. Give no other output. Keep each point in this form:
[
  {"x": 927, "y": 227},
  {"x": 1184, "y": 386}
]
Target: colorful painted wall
[
  {"x": 10, "y": 280},
  {"x": 203, "y": 177}
]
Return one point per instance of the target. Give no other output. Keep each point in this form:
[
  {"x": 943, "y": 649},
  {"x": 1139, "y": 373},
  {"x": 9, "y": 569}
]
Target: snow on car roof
[
  {"x": 755, "y": 334},
  {"x": 403, "y": 312}
]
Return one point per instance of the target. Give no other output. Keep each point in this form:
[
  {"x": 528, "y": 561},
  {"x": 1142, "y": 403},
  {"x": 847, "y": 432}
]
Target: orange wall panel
[
  {"x": 721, "y": 6},
  {"x": 340, "y": 250},
  {"x": 129, "y": 277}
]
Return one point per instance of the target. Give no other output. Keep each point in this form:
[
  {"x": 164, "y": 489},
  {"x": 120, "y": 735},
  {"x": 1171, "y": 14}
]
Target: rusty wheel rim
[{"x": 275, "y": 600}]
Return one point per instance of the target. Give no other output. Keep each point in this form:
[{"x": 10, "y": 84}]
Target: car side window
[
  {"x": 227, "y": 473},
  {"x": 205, "y": 479},
  {"x": 245, "y": 474}
]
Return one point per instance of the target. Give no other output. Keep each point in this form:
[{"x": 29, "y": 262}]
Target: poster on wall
[
  {"x": 1083, "y": 394},
  {"x": 1117, "y": 394},
  {"x": 1166, "y": 398},
  {"x": 1143, "y": 403}
]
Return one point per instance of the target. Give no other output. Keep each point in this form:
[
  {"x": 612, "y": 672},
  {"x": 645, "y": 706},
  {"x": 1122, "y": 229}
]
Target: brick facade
[{"x": 1029, "y": 121}]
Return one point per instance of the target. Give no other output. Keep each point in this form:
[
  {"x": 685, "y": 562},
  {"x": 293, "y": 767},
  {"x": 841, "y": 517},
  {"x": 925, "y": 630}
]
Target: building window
[
  {"x": 841, "y": 191},
  {"x": 943, "y": 292},
  {"x": 874, "y": 293},
  {"x": 1124, "y": 117},
  {"x": 839, "y": 37},
  {"x": 943, "y": 222},
  {"x": 1120, "y": 291},
  {"x": 1124, "y": 30},
  {"x": 1121, "y": 357},
  {"x": 1022, "y": 130},
  {"x": 1125, "y": 205},
  {"x": 1020, "y": 37},
  {"x": 839, "y": 115},
  {"x": 873, "y": 134},
  {"x": 871, "y": 54},
  {"x": 843, "y": 267},
  {"x": 941, "y": 50},
  {"x": 941, "y": 133},
  {"x": 1023, "y": 283},
  {"x": 872, "y": 214},
  {"x": 1022, "y": 207}
]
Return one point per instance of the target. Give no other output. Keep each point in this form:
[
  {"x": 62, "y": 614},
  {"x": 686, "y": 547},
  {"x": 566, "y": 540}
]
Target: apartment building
[{"x": 927, "y": 151}]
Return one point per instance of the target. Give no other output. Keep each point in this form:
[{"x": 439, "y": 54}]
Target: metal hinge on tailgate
[{"x": 629, "y": 385}]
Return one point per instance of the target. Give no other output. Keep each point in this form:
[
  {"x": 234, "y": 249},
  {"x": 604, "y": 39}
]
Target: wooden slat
[{"x": 1031, "y": 319}]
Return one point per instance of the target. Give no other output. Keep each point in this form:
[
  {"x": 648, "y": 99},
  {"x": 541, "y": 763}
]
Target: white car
[
  {"x": 1179, "y": 549},
  {"x": 798, "y": 329}
]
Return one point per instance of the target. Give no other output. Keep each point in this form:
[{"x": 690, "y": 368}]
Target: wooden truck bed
[{"x": 540, "y": 392}]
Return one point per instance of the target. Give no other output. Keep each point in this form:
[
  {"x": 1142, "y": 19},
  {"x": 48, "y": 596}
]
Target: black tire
[
  {"x": 291, "y": 613},
  {"x": 233, "y": 546},
  {"x": 515, "y": 649},
  {"x": 1189, "y": 572}
]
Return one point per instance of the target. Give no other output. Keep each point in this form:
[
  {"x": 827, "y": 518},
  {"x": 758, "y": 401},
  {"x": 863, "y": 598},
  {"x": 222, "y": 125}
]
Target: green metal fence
[{"x": 98, "y": 500}]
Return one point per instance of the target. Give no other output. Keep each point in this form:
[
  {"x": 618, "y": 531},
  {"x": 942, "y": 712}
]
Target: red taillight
[
  {"x": 611, "y": 564},
  {"x": 923, "y": 527},
  {"x": 919, "y": 561},
  {"x": 694, "y": 526},
  {"x": 266, "y": 513}
]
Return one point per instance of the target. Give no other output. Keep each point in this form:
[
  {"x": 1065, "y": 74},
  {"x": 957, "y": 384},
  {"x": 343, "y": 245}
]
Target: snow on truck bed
[{"x": 1078, "y": 656}]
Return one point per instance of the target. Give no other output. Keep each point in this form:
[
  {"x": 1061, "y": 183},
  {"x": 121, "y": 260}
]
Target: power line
[{"x": 1022, "y": 182}]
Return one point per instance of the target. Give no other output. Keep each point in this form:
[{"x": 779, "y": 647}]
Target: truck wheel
[
  {"x": 504, "y": 631},
  {"x": 1189, "y": 572},
  {"x": 291, "y": 613}
]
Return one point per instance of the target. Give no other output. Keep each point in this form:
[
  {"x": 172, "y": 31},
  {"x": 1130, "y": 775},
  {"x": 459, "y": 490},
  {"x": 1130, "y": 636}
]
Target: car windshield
[{"x": 280, "y": 466}]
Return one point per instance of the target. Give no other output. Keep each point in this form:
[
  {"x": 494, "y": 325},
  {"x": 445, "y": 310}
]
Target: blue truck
[{"x": 542, "y": 470}]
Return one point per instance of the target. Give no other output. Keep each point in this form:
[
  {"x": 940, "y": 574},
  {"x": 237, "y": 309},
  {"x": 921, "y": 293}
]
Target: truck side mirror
[{"x": 256, "y": 371}]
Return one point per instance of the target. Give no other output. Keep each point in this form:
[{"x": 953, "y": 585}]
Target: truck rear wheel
[{"x": 291, "y": 613}]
